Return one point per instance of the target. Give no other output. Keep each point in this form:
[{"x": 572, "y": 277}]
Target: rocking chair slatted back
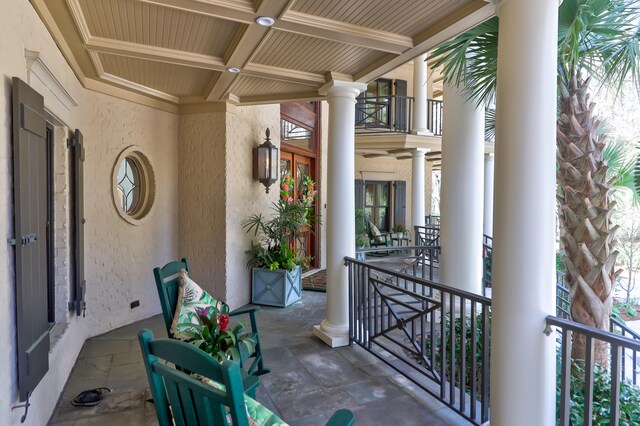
[{"x": 168, "y": 284}]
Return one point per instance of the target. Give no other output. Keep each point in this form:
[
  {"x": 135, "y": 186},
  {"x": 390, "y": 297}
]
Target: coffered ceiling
[{"x": 175, "y": 53}]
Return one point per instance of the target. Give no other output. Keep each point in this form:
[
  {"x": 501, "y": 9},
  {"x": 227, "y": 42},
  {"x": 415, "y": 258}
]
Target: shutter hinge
[{"x": 11, "y": 241}]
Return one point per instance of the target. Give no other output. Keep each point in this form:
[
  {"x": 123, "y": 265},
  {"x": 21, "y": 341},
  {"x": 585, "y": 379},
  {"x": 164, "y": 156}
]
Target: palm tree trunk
[{"x": 584, "y": 214}]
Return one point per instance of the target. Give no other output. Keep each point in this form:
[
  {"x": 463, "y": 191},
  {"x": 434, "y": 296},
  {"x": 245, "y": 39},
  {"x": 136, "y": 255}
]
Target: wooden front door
[
  {"x": 300, "y": 136},
  {"x": 299, "y": 166}
]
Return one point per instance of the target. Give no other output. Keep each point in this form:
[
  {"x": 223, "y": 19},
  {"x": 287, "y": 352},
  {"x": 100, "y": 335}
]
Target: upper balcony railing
[{"x": 393, "y": 114}]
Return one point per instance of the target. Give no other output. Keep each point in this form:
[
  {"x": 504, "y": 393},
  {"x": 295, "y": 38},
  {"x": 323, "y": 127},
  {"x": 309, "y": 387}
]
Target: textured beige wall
[
  {"x": 21, "y": 28},
  {"x": 245, "y": 130},
  {"x": 119, "y": 256},
  {"x": 202, "y": 198}
]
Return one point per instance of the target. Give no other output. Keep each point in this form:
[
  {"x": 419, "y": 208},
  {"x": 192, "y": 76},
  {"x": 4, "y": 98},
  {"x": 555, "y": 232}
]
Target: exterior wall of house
[
  {"x": 118, "y": 256},
  {"x": 245, "y": 196},
  {"x": 202, "y": 198}
]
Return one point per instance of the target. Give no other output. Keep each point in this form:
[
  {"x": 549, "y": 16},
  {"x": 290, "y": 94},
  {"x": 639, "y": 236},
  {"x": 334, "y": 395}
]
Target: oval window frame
[{"x": 147, "y": 187}]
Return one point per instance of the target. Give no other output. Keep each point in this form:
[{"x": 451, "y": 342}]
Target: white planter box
[{"x": 276, "y": 288}]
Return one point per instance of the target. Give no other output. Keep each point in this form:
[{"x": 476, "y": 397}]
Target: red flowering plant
[{"x": 213, "y": 335}]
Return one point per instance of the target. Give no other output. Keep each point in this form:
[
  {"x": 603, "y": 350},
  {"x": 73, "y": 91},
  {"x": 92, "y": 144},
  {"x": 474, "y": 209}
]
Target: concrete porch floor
[{"x": 308, "y": 381}]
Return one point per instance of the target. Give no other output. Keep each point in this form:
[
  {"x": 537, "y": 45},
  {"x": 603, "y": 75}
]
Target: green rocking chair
[
  {"x": 167, "y": 283},
  {"x": 215, "y": 398}
]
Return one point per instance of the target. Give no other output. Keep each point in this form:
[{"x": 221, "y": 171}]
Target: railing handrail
[
  {"x": 437, "y": 286},
  {"x": 595, "y": 333}
]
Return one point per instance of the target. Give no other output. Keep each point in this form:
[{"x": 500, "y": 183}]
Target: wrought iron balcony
[{"x": 393, "y": 114}]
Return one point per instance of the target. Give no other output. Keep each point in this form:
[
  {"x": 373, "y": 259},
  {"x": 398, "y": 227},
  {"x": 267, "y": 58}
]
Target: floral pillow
[
  {"x": 190, "y": 299},
  {"x": 258, "y": 414},
  {"x": 376, "y": 235}
]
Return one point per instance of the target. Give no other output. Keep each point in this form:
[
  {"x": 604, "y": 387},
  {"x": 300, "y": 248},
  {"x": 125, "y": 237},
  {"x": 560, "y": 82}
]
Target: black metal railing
[
  {"x": 428, "y": 332},
  {"x": 487, "y": 259},
  {"x": 432, "y": 220},
  {"x": 384, "y": 114},
  {"x": 617, "y": 374},
  {"x": 434, "y": 116}
]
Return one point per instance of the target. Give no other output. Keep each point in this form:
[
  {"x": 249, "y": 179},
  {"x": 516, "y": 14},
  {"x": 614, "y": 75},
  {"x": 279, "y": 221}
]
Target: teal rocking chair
[
  {"x": 181, "y": 399},
  {"x": 167, "y": 283}
]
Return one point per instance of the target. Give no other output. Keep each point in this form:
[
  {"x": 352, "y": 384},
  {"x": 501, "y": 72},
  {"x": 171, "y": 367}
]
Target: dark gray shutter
[
  {"x": 359, "y": 194},
  {"x": 79, "y": 288},
  {"x": 400, "y": 203},
  {"x": 361, "y": 108},
  {"x": 402, "y": 106},
  {"x": 30, "y": 224}
]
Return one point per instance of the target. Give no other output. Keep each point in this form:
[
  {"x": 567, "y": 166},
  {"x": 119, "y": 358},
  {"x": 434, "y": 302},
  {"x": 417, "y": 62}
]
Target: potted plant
[
  {"x": 275, "y": 263},
  {"x": 362, "y": 232},
  {"x": 398, "y": 231}
]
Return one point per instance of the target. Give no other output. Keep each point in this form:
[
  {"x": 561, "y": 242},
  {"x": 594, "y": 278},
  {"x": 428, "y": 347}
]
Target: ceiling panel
[
  {"x": 254, "y": 86},
  {"x": 310, "y": 54},
  {"x": 406, "y": 17},
  {"x": 144, "y": 23},
  {"x": 176, "y": 80}
]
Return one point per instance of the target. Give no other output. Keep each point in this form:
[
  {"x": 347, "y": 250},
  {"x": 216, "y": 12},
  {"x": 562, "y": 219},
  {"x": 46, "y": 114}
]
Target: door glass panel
[
  {"x": 296, "y": 135},
  {"x": 302, "y": 170},
  {"x": 377, "y": 204},
  {"x": 285, "y": 167}
]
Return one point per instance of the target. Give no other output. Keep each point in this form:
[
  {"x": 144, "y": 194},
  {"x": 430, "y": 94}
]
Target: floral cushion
[
  {"x": 376, "y": 235},
  {"x": 258, "y": 414},
  {"x": 190, "y": 298}
]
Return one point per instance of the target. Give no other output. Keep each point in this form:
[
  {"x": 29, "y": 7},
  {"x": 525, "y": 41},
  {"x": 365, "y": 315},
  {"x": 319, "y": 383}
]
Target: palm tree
[{"x": 596, "y": 38}]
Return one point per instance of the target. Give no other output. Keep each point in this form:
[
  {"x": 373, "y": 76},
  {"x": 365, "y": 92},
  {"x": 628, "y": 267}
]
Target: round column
[
  {"x": 419, "y": 125},
  {"x": 417, "y": 188},
  {"x": 487, "y": 227},
  {"x": 523, "y": 385},
  {"x": 340, "y": 216},
  {"x": 462, "y": 192}
]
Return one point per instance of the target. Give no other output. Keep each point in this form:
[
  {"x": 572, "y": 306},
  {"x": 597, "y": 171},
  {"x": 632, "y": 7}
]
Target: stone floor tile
[
  {"x": 129, "y": 418},
  {"x": 134, "y": 357},
  {"x": 402, "y": 410},
  {"x": 127, "y": 377},
  {"x": 330, "y": 369},
  {"x": 371, "y": 391},
  {"x": 323, "y": 402},
  {"x": 280, "y": 360},
  {"x": 281, "y": 386},
  {"x": 101, "y": 347},
  {"x": 87, "y": 374}
]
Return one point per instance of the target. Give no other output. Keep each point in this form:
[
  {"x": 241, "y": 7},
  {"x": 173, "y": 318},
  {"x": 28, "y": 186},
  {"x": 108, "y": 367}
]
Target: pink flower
[{"x": 285, "y": 187}]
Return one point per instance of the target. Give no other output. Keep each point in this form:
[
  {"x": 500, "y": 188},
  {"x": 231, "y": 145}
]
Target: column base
[
  {"x": 422, "y": 132},
  {"x": 334, "y": 336}
]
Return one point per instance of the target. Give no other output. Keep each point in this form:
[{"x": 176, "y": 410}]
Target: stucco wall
[
  {"x": 245, "y": 130},
  {"x": 118, "y": 256},
  {"x": 202, "y": 198}
]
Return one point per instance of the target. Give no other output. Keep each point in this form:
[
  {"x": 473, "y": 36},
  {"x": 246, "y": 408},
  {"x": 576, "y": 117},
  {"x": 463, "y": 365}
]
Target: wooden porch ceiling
[{"x": 170, "y": 53}]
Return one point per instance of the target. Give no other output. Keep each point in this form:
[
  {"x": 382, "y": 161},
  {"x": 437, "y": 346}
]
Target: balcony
[{"x": 393, "y": 114}]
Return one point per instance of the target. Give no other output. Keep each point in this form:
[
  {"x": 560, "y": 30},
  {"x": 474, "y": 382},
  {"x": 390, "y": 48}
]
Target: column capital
[
  {"x": 342, "y": 88},
  {"x": 418, "y": 152},
  {"x": 499, "y": 3}
]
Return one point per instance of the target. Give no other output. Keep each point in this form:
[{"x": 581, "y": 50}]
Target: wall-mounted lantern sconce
[{"x": 265, "y": 162}]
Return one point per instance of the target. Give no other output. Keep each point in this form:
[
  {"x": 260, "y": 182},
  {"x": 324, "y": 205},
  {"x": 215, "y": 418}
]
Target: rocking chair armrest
[
  {"x": 341, "y": 417},
  {"x": 242, "y": 311}
]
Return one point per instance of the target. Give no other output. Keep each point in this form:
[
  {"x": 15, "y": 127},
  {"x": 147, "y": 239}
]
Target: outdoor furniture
[
  {"x": 167, "y": 283},
  {"x": 211, "y": 394},
  {"x": 377, "y": 238}
]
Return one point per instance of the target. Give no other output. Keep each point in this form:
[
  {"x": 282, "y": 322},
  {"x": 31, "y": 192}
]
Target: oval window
[{"x": 133, "y": 185}]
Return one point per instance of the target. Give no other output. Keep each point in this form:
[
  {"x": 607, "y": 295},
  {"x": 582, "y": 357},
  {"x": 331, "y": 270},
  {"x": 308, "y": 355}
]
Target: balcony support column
[
  {"x": 340, "y": 216},
  {"x": 419, "y": 125},
  {"x": 523, "y": 385},
  {"x": 417, "y": 188},
  {"x": 488, "y": 194},
  {"x": 462, "y": 192}
]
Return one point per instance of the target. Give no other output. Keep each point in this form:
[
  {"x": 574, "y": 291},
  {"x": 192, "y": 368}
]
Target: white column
[
  {"x": 340, "y": 216},
  {"x": 419, "y": 125},
  {"x": 462, "y": 192},
  {"x": 488, "y": 195},
  {"x": 417, "y": 188},
  {"x": 523, "y": 386}
]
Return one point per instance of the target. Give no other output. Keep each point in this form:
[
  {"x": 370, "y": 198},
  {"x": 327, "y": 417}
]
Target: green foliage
[
  {"x": 629, "y": 396},
  {"x": 277, "y": 235},
  {"x": 476, "y": 340},
  {"x": 211, "y": 334},
  {"x": 362, "y": 234},
  {"x": 560, "y": 266},
  {"x": 488, "y": 271}
]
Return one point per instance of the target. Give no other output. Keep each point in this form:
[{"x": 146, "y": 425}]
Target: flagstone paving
[{"x": 308, "y": 380}]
